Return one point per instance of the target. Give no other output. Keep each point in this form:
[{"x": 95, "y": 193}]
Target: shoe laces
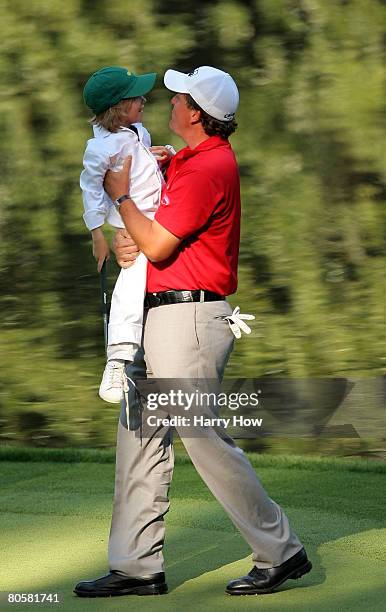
[
  {"x": 115, "y": 374},
  {"x": 257, "y": 572}
]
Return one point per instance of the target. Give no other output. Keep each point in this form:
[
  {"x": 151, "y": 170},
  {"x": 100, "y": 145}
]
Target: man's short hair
[{"x": 212, "y": 126}]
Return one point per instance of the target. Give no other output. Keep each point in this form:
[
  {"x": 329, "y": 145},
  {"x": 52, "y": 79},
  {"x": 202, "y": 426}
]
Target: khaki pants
[{"x": 188, "y": 341}]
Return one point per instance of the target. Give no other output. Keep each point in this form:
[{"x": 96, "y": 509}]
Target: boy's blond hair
[{"x": 114, "y": 117}]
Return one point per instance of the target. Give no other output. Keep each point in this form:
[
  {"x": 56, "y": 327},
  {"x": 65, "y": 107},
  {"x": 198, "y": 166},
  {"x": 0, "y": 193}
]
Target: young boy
[{"x": 115, "y": 96}]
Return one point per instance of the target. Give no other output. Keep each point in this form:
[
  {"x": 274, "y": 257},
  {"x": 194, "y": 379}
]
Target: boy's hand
[
  {"x": 100, "y": 247},
  {"x": 162, "y": 154},
  {"x": 117, "y": 183},
  {"x": 125, "y": 249}
]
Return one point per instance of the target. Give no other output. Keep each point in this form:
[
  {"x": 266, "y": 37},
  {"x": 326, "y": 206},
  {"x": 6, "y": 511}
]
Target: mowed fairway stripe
[
  {"x": 56, "y": 517},
  {"x": 340, "y": 581}
]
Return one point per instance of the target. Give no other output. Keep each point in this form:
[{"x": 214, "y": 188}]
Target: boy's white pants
[{"x": 126, "y": 312}]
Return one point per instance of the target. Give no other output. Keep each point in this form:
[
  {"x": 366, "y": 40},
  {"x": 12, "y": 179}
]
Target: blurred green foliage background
[{"x": 310, "y": 145}]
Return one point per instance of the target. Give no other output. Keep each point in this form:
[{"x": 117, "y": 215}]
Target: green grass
[{"x": 55, "y": 514}]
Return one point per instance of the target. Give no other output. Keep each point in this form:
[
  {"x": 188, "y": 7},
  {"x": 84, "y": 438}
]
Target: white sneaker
[{"x": 111, "y": 389}]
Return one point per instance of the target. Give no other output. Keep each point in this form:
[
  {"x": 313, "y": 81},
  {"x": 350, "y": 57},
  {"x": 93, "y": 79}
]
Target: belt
[{"x": 152, "y": 300}]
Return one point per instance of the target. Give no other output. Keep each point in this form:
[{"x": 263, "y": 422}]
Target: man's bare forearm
[
  {"x": 152, "y": 239},
  {"x": 138, "y": 226}
]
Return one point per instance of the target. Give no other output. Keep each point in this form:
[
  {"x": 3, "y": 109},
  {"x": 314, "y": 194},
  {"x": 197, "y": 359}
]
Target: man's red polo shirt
[{"x": 200, "y": 204}]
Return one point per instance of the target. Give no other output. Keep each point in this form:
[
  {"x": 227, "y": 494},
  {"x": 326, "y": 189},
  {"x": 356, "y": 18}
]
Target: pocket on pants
[{"x": 214, "y": 337}]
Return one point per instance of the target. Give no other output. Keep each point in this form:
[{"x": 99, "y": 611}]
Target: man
[{"x": 192, "y": 247}]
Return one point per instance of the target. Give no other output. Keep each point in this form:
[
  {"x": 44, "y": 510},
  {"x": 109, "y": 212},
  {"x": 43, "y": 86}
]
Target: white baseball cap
[{"x": 214, "y": 90}]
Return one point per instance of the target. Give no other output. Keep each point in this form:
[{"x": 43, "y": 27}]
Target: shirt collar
[
  {"x": 213, "y": 142},
  {"x": 101, "y": 132}
]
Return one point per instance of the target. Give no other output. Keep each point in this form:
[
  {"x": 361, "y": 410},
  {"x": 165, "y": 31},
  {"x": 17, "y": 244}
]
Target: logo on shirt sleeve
[{"x": 165, "y": 200}]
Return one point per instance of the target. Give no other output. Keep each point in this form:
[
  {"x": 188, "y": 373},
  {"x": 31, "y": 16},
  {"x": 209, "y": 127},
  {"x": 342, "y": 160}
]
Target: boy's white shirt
[
  {"x": 103, "y": 152},
  {"x": 106, "y": 151}
]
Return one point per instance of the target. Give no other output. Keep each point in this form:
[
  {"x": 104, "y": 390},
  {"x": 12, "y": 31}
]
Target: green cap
[{"x": 110, "y": 85}]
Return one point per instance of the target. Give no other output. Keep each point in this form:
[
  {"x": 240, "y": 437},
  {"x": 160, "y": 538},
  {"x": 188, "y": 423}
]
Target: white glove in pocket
[{"x": 236, "y": 322}]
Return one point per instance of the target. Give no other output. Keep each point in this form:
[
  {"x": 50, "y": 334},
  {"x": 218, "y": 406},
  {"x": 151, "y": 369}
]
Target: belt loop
[{"x": 202, "y": 295}]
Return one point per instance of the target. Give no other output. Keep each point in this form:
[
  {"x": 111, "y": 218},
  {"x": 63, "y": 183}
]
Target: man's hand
[
  {"x": 125, "y": 249},
  {"x": 117, "y": 183},
  {"x": 154, "y": 241}
]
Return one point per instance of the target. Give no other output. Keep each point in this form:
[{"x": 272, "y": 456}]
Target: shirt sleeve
[
  {"x": 95, "y": 164},
  {"x": 188, "y": 203}
]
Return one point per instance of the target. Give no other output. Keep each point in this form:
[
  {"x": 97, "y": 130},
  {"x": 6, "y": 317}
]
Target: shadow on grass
[{"x": 196, "y": 549}]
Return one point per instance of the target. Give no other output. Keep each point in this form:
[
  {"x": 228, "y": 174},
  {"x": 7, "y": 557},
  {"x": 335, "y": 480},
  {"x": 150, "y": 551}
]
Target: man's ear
[{"x": 195, "y": 117}]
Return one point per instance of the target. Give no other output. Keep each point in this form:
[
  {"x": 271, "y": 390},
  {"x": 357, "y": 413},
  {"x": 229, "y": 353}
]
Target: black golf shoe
[
  {"x": 260, "y": 581},
  {"x": 115, "y": 584}
]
